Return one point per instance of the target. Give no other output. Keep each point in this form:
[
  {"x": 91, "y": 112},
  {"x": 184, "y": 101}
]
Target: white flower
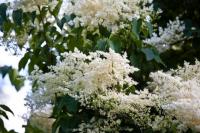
[
  {"x": 32, "y": 5},
  {"x": 97, "y": 81},
  {"x": 166, "y": 37},
  {"x": 96, "y": 72},
  {"x": 108, "y": 13},
  {"x": 179, "y": 91}
]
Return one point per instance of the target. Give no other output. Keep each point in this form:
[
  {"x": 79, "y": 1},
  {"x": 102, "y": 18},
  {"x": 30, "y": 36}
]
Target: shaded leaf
[
  {"x": 152, "y": 54},
  {"x": 65, "y": 124},
  {"x": 17, "y": 16},
  {"x": 115, "y": 43},
  {"x": 157, "y": 57},
  {"x": 60, "y": 23},
  {"x": 33, "y": 16},
  {"x": 136, "y": 26},
  {"x": 102, "y": 44},
  {"x": 66, "y": 103},
  {"x": 104, "y": 31},
  {"x": 33, "y": 61},
  {"x": 75, "y": 39},
  {"x": 69, "y": 123},
  {"x": 5, "y": 70},
  {"x": 2, "y": 128},
  {"x": 148, "y": 53},
  {"x": 6, "y": 108},
  {"x": 3, "y": 17},
  {"x": 2, "y": 113},
  {"x": 150, "y": 28},
  {"x": 23, "y": 61}
]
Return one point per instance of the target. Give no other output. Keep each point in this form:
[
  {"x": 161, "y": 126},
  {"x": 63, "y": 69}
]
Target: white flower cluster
[
  {"x": 108, "y": 13},
  {"x": 134, "y": 106},
  {"x": 167, "y": 36},
  {"x": 32, "y": 5},
  {"x": 97, "y": 81},
  {"x": 179, "y": 91},
  {"x": 96, "y": 72}
]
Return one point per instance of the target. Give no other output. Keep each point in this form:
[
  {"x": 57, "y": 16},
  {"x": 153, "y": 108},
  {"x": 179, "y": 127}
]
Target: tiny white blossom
[
  {"x": 108, "y": 13},
  {"x": 179, "y": 91},
  {"x": 91, "y": 73},
  {"x": 97, "y": 81},
  {"x": 30, "y": 5},
  {"x": 166, "y": 37}
]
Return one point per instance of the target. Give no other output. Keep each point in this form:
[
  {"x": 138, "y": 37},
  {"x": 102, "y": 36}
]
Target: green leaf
[
  {"x": 16, "y": 79},
  {"x": 136, "y": 26},
  {"x": 36, "y": 40},
  {"x": 65, "y": 19},
  {"x": 71, "y": 103},
  {"x": 157, "y": 57},
  {"x": 104, "y": 31},
  {"x": 33, "y": 61},
  {"x": 7, "y": 26},
  {"x": 12, "y": 74},
  {"x": 66, "y": 103},
  {"x": 5, "y": 70},
  {"x": 2, "y": 128},
  {"x": 102, "y": 44},
  {"x": 6, "y": 108},
  {"x": 135, "y": 59},
  {"x": 23, "y": 61},
  {"x": 43, "y": 12},
  {"x": 58, "y": 39},
  {"x": 148, "y": 53},
  {"x": 26, "y": 17},
  {"x": 152, "y": 54},
  {"x": 66, "y": 124},
  {"x": 2, "y": 113},
  {"x": 3, "y": 17},
  {"x": 69, "y": 17},
  {"x": 33, "y": 16},
  {"x": 60, "y": 48},
  {"x": 75, "y": 39},
  {"x": 57, "y": 8},
  {"x": 17, "y": 16},
  {"x": 115, "y": 43},
  {"x": 150, "y": 28},
  {"x": 61, "y": 22}
]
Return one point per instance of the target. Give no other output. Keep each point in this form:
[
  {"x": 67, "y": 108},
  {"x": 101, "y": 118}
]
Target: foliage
[
  {"x": 48, "y": 37},
  {"x": 3, "y": 114},
  {"x": 188, "y": 11},
  {"x": 179, "y": 91},
  {"x": 15, "y": 79}
]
